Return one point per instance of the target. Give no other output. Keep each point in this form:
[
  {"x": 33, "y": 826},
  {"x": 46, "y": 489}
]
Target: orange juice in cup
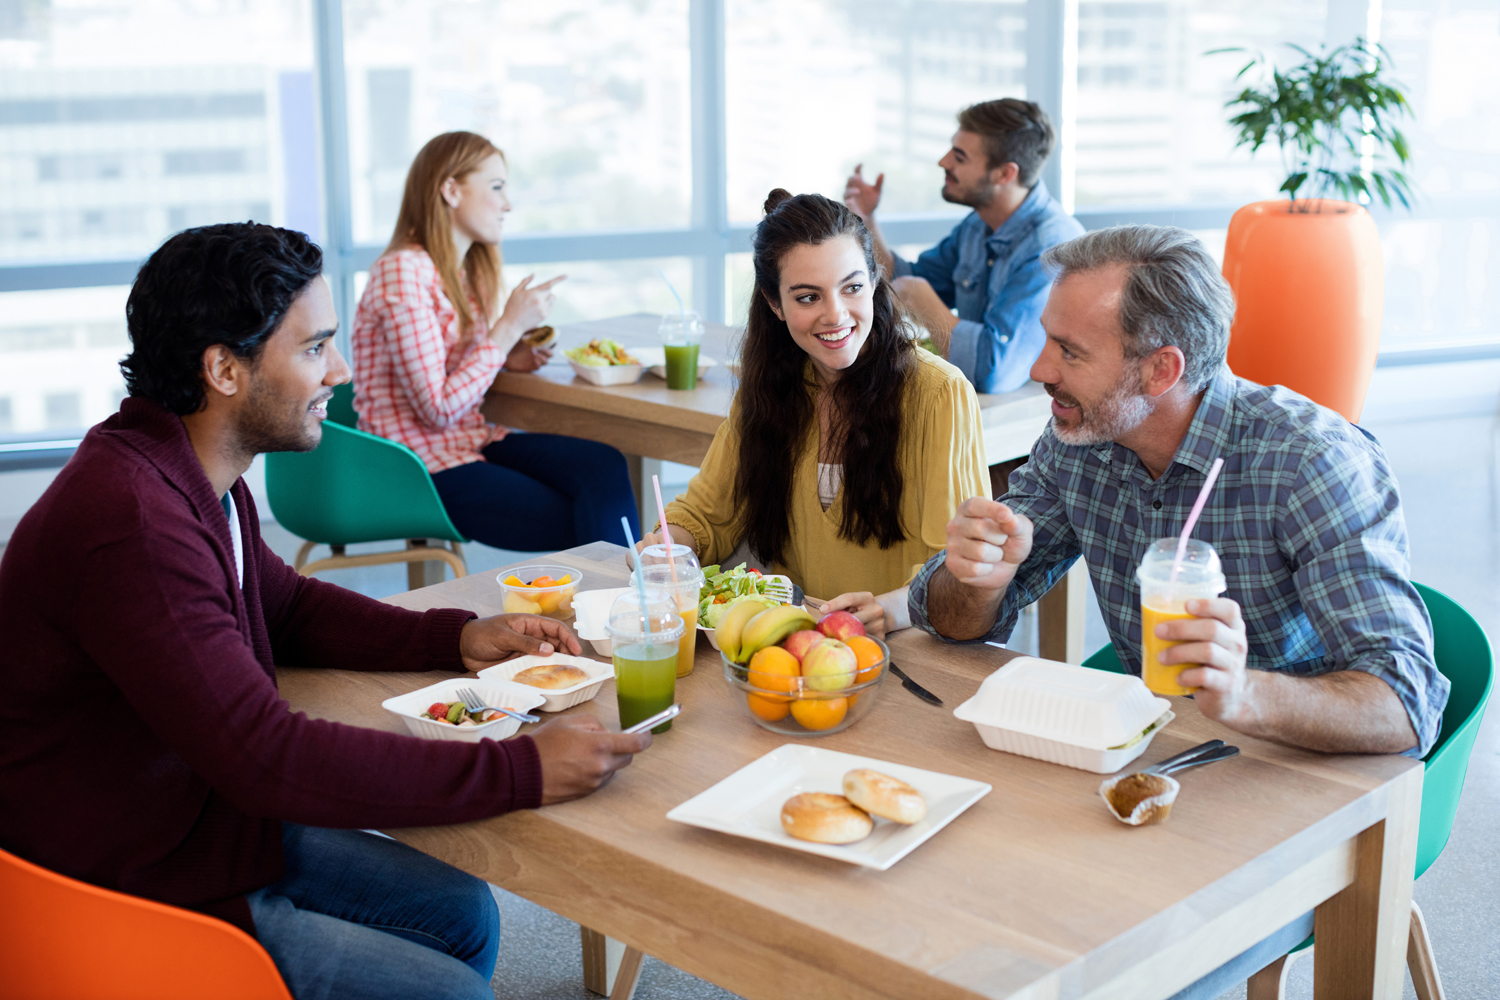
[
  {"x": 1164, "y": 599},
  {"x": 683, "y": 589}
]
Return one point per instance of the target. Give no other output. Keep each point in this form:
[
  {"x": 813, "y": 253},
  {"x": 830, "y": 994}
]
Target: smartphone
[{"x": 670, "y": 712}]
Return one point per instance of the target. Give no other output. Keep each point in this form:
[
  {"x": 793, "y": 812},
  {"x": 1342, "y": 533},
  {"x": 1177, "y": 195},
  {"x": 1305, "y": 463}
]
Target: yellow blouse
[{"x": 942, "y": 462}]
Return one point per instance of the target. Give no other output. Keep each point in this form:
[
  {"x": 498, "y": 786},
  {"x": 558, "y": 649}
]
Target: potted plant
[{"x": 1306, "y": 270}]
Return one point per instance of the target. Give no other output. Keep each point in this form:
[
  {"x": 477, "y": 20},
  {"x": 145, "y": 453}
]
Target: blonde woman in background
[{"x": 429, "y": 337}]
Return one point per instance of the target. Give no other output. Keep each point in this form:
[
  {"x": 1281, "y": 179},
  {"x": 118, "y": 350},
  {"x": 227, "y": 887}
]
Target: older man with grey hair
[{"x": 1320, "y": 640}]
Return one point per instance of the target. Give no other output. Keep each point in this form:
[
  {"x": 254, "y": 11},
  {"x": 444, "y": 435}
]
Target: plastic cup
[
  {"x": 1165, "y": 600},
  {"x": 681, "y": 333},
  {"x": 683, "y": 597},
  {"x": 645, "y": 663},
  {"x": 656, "y": 555}
]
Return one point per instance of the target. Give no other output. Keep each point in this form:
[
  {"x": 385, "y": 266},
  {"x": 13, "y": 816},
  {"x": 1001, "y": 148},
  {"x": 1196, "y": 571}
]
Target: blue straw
[
  {"x": 681, "y": 309},
  {"x": 640, "y": 581}
]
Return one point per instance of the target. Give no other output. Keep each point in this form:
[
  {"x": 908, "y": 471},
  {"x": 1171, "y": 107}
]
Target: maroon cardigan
[{"x": 143, "y": 744}]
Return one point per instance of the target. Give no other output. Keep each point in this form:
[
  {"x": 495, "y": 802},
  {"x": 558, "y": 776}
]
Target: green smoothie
[
  {"x": 682, "y": 366},
  {"x": 645, "y": 680}
]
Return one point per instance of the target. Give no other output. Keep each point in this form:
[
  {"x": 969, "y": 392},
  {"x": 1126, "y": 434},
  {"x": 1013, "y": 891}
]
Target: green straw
[{"x": 640, "y": 581}]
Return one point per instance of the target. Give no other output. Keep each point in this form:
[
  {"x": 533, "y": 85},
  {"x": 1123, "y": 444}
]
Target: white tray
[
  {"x": 748, "y": 803},
  {"x": 554, "y": 699},
  {"x": 608, "y": 374},
  {"x": 496, "y": 694}
]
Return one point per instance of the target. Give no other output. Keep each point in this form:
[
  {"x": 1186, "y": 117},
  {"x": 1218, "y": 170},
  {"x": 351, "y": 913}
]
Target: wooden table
[
  {"x": 651, "y": 423},
  {"x": 1035, "y": 892}
]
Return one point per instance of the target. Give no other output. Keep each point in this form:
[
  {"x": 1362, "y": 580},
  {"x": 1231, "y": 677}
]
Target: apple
[
  {"x": 840, "y": 625},
  {"x": 799, "y": 642},
  {"x": 829, "y": 666}
]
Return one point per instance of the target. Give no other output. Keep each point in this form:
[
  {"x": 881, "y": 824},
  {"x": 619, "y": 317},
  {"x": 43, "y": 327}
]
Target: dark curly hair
[
  {"x": 775, "y": 409},
  {"x": 227, "y": 284}
]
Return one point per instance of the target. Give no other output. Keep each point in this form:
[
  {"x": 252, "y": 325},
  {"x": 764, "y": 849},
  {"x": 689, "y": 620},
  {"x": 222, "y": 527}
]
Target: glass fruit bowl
[
  {"x": 787, "y": 704},
  {"x": 553, "y": 599}
]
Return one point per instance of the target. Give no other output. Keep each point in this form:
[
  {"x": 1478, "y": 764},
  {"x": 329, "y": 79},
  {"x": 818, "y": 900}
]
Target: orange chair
[{"x": 61, "y": 939}]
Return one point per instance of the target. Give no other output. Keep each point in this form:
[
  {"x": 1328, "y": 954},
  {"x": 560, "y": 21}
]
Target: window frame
[{"x": 1051, "y": 77}]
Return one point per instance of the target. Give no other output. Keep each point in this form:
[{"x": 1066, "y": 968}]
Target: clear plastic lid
[
  {"x": 682, "y": 556},
  {"x": 1200, "y": 574},
  {"x": 661, "y": 625},
  {"x": 1090, "y": 708}
]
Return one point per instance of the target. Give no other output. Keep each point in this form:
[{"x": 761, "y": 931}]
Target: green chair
[
  {"x": 1463, "y": 655},
  {"x": 356, "y": 487}
]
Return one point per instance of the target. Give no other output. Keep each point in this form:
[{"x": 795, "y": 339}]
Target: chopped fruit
[
  {"x": 542, "y": 581},
  {"x": 565, "y": 578},
  {"x": 517, "y": 604},
  {"x": 513, "y": 581}
]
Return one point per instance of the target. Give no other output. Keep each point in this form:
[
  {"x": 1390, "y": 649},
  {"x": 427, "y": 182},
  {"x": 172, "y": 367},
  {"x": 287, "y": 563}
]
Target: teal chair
[
  {"x": 1463, "y": 656},
  {"x": 356, "y": 487}
]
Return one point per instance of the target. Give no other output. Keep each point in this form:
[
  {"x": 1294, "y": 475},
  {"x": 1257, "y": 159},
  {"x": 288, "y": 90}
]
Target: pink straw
[
  {"x": 661, "y": 510},
  {"x": 1192, "y": 520}
]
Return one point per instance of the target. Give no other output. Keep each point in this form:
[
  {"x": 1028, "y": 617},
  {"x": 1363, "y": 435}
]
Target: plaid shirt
[
  {"x": 1305, "y": 518},
  {"x": 410, "y": 382}
]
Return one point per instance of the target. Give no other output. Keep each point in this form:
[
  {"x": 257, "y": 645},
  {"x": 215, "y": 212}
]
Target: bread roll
[
  {"x": 824, "y": 818},
  {"x": 884, "y": 796},
  {"x": 551, "y": 676}
]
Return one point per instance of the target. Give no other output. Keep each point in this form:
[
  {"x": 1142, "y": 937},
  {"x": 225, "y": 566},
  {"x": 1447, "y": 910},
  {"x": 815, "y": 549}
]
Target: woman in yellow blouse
[{"x": 847, "y": 449}]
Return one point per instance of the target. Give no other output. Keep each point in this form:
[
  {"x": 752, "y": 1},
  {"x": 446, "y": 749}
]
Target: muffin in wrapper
[{"x": 1138, "y": 799}]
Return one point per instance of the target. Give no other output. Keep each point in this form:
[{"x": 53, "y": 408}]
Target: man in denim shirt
[
  {"x": 989, "y": 268},
  {"x": 1320, "y": 641}
]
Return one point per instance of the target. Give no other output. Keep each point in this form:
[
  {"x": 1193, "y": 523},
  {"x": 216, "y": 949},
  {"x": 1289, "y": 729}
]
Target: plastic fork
[{"x": 474, "y": 703}]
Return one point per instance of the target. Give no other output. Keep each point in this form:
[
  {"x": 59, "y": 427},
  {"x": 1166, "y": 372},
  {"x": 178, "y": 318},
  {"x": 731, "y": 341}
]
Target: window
[
  {"x": 815, "y": 86},
  {"x": 59, "y": 358},
  {"x": 1150, "y": 114},
  {"x": 588, "y": 99}
]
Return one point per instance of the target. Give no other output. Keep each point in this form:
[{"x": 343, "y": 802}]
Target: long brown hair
[
  {"x": 774, "y": 404},
  {"x": 426, "y": 221}
]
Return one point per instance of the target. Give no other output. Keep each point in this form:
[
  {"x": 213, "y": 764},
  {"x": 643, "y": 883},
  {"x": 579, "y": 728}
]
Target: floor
[{"x": 1449, "y": 471}]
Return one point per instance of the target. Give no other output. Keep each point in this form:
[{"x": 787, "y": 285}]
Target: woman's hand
[
  {"x": 863, "y": 606},
  {"x": 526, "y": 358},
  {"x": 526, "y": 309}
]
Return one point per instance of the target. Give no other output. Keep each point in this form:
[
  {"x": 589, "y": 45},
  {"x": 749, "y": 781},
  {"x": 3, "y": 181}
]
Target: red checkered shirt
[{"x": 411, "y": 384}]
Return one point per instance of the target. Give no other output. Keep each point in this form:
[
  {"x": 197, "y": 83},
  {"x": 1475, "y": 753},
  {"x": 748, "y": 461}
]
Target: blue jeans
[
  {"x": 1249, "y": 962},
  {"x": 361, "y": 916},
  {"x": 536, "y": 492}
]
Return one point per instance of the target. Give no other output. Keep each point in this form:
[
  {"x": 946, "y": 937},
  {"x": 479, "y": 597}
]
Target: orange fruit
[
  {"x": 771, "y": 709},
  {"x": 565, "y": 578},
  {"x": 542, "y": 581},
  {"x": 820, "y": 713},
  {"x": 867, "y": 653},
  {"x": 513, "y": 581},
  {"x": 774, "y": 669}
]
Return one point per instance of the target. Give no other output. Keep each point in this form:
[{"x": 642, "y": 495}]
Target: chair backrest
[
  {"x": 61, "y": 939},
  {"x": 341, "y": 406},
  {"x": 1464, "y": 656},
  {"x": 355, "y": 487}
]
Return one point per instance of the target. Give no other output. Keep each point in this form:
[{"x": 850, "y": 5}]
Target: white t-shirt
[{"x": 234, "y": 532}]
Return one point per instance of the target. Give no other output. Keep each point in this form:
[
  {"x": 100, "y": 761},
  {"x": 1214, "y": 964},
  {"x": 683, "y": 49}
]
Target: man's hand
[
  {"x": 987, "y": 543},
  {"x": 485, "y": 642},
  {"x": 1214, "y": 638},
  {"x": 927, "y": 309},
  {"x": 579, "y": 755},
  {"x": 861, "y": 196},
  {"x": 861, "y": 605}
]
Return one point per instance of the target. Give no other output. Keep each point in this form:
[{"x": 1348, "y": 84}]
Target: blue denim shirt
[
  {"x": 996, "y": 281},
  {"x": 1305, "y": 518}
]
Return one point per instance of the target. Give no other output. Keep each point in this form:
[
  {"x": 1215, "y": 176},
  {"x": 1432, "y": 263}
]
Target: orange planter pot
[{"x": 1309, "y": 292}]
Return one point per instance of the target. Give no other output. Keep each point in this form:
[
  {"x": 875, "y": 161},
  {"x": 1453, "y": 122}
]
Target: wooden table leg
[
  {"x": 1362, "y": 931},
  {"x": 610, "y": 968},
  {"x": 1060, "y": 617},
  {"x": 641, "y": 470}
]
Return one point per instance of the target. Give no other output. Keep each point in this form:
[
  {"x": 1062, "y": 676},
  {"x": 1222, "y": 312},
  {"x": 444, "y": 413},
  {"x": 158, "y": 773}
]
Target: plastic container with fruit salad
[
  {"x": 540, "y": 590},
  {"x": 813, "y": 682}
]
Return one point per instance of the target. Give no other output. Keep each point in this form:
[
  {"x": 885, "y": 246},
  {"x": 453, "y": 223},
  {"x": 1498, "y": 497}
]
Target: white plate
[
  {"x": 655, "y": 360},
  {"x": 748, "y": 802},
  {"x": 554, "y": 699}
]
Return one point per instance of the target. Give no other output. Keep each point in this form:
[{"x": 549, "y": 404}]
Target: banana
[
  {"x": 770, "y": 627},
  {"x": 732, "y": 624}
]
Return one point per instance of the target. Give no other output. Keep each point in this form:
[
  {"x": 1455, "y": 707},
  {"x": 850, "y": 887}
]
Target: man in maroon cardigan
[{"x": 143, "y": 744}]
